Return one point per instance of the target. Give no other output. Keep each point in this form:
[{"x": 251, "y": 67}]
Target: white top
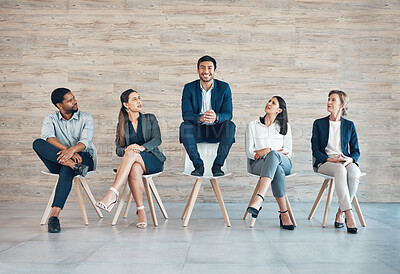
[
  {"x": 259, "y": 136},
  {"x": 334, "y": 148},
  {"x": 206, "y": 99}
]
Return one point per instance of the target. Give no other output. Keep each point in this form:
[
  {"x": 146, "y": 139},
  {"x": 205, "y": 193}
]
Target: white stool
[
  {"x": 330, "y": 181},
  {"x": 208, "y": 152},
  {"x": 78, "y": 182},
  {"x": 289, "y": 208},
  {"x": 148, "y": 186}
]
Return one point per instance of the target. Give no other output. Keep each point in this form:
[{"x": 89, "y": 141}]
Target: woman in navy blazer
[
  {"x": 138, "y": 140},
  {"x": 335, "y": 149}
]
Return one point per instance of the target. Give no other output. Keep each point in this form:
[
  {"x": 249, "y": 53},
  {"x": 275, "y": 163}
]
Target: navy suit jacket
[
  {"x": 320, "y": 135},
  {"x": 221, "y": 101}
]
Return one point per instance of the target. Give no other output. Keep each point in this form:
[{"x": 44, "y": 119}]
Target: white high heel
[
  {"x": 140, "y": 225},
  {"x": 110, "y": 206}
]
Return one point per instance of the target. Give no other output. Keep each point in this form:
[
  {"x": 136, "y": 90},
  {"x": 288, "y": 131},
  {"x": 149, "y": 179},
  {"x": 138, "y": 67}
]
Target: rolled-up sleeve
[
  {"x": 87, "y": 132},
  {"x": 48, "y": 130}
]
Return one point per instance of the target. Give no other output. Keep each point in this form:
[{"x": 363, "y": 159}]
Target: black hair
[
  {"x": 57, "y": 96},
  {"x": 207, "y": 58},
  {"x": 282, "y": 118}
]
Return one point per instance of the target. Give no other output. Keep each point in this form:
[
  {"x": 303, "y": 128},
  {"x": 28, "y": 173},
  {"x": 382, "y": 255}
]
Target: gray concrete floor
[{"x": 205, "y": 246}]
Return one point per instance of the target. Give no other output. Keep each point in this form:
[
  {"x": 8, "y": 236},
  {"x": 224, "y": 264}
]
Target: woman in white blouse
[{"x": 268, "y": 150}]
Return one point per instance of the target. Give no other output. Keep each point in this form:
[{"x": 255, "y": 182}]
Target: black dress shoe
[
  {"x": 217, "y": 171},
  {"x": 288, "y": 227},
  {"x": 53, "y": 225},
  {"x": 352, "y": 230},
  {"x": 81, "y": 169},
  {"x": 198, "y": 171},
  {"x": 337, "y": 224}
]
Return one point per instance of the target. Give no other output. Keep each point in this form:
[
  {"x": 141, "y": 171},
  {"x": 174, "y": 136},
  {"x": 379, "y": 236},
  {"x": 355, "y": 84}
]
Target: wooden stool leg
[
  {"x": 92, "y": 200},
  {"x": 328, "y": 202},
  {"x": 188, "y": 202},
  {"x": 252, "y": 222},
  {"x": 157, "y": 197},
  {"x": 48, "y": 207},
  {"x": 358, "y": 210},
  {"x": 217, "y": 191},
  {"x": 289, "y": 208},
  {"x": 128, "y": 204},
  {"x": 252, "y": 197},
  {"x": 119, "y": 206},
  {"x": 77, "y": 182},
  {"x": 150, "y": 202},
  {"x": 318, "y": 200},
  {"x": 192, "y": 201}
]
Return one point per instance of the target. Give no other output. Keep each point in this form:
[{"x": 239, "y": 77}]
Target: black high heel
[
  {"x": 337, "y": 224},
  {"x": 352, "y": 230},
  {"x": 288, "y": 227},
  {"x": 253, "y": 211}
]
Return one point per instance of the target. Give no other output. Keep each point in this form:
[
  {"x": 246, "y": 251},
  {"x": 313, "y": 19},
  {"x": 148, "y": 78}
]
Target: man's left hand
[{"x": 65, "y": 154}]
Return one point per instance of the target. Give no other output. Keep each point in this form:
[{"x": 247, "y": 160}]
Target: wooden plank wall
[{"x": 297, "y": 49}]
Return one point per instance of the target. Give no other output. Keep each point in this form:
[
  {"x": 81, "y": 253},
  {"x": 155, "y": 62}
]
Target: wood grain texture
[{"x": 297, "y": 49}]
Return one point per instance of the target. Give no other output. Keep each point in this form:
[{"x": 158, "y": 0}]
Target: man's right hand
[{"x": 208, "y": 117}]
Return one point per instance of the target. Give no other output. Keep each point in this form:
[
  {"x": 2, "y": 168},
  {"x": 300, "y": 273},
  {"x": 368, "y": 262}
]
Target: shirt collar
[
  {"x": 74, "y": 117},
  {"x": 203, "y": 90}
]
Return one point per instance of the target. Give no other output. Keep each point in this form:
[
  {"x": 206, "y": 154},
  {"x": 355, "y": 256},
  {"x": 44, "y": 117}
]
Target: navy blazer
[
  {"x": 151, "y": 135},
  {"x": 320, "y": 136},
  {"x": 221, "y": 101}
]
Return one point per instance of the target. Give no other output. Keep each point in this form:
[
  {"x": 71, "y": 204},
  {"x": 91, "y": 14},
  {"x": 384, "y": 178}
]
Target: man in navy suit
[{"x": 207, "y": 113}]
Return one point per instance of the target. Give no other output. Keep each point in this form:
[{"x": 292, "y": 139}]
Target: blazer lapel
[
  {"x": 214, "y": 94},
  {"x": 144, "y": 127},
  {"x": 198, "y": 95}
]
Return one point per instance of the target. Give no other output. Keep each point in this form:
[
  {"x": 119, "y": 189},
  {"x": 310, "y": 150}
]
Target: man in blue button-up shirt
[
  {"x": 65, "y": 148},
  {"x": 207, "y": 114}
]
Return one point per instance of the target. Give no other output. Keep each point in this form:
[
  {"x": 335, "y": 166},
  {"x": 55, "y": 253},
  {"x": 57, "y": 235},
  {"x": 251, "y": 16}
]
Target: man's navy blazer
[
  {"x": 320, "y": 136},
  {"x": 221, "y": 101}
]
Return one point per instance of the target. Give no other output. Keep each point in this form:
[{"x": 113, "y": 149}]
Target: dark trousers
[
  {"x": 190, "y": 134},
  {"x": 48, "y": 154}
]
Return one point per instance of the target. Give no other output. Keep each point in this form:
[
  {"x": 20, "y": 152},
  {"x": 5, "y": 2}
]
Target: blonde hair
[{"x": 344, "y": 99}]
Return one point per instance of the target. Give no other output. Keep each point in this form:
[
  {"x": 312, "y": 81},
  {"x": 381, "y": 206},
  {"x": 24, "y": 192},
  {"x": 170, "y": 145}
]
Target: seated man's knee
[
  {"x": 185, "y": 130},
  {"x": 36, "y": 144},
  {"x": 340, "y": 170}
]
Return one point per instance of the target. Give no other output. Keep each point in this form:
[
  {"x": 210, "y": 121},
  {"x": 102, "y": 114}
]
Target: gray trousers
[
  {"x": 275, "y": 166},
  {"x": 346, "y": 181}
]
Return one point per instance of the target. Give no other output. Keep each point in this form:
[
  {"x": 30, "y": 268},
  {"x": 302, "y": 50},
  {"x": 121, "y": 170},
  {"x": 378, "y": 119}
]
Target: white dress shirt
[{"x": 259, "y": 136}]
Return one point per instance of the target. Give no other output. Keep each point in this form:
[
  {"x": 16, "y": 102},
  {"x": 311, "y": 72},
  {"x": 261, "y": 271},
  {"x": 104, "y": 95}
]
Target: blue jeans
[
  {"x": 48, "y": 154},
  {"x": 275, "y": 166}
]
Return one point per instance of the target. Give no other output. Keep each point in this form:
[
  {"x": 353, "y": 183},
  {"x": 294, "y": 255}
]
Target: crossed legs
[{"x": 131, "y": 168}]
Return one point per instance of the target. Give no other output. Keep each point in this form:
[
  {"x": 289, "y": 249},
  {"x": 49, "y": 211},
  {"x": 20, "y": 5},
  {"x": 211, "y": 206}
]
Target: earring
[{"x": 127, "y": 110}]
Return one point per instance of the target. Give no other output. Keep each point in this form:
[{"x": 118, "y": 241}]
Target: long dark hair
[
  {"x": 123, "y": 118},
  {"x": 282, "y": 118}
]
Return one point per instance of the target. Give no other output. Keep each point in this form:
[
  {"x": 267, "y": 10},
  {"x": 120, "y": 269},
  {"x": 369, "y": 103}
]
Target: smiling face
[
  {"x": 334, "y": 104},
  {"x": 206, "y": 71},
  {"x": 272, "y": 107},
  {"x": 134, "y": 103},
  {"x": 69, "y": 104}
]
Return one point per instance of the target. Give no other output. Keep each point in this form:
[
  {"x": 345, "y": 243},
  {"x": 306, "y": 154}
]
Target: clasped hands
[
  {"x": 262, "y": 152},
  {"x": 208, "y": 117},
  {"x": 69, "y": 153},
  {"x": 135, "y": 147},
  {"x": 341, "y": 159}
]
